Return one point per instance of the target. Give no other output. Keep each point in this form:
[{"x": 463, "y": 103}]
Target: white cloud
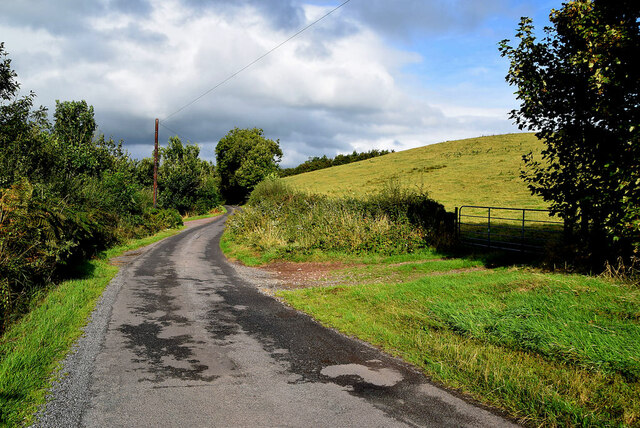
[{"x": 336, "y": 88}]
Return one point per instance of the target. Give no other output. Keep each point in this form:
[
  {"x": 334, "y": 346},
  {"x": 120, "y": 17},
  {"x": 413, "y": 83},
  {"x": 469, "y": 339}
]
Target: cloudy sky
[{"x": 387, "y": 74}]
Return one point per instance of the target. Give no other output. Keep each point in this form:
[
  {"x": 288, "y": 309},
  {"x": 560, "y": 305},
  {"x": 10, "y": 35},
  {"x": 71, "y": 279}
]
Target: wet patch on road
[
  {"x": 221, "y": 321},
  {"x": 315, "y": 354},
  {"x": 383, "y": 376},
  {"x": 164, "y": 358}
]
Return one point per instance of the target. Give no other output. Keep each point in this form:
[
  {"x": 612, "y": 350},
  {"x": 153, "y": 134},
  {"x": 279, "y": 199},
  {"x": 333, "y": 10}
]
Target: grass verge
[
  {"x": 31, "y": 349},
  {"x": 214, "y": 213},
  {"x": 549, "y": 349}
]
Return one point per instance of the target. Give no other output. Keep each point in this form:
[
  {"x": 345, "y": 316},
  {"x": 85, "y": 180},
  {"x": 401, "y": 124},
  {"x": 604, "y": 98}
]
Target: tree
[
  {"x": 579, "y": 90},
  {"x": 74, "y": 126},
  {"x": 23, "y": 140},
  {"x": 8, "y": 84},
  {"x": 184, "y": 180},
  {"x": 245, "y": 157},
  {"x": 74, "y": 122}
]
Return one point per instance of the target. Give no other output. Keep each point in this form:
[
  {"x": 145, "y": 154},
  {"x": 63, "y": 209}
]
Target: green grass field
[{"x": 475, "y": 171}]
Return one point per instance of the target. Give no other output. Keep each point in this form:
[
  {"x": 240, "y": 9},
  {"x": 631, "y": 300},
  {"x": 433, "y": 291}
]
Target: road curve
[{"x": 182, "y": 338}]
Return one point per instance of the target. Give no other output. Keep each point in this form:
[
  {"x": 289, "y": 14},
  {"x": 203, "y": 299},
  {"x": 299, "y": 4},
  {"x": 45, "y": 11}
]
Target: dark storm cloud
[
  {"x": 303, "y": 132},
  {"x": 399, "y": 19}
]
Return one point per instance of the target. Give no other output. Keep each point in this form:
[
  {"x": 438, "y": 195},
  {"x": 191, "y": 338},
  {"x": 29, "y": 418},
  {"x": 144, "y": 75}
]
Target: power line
[
  {"x": 172, "y": 130},
  {"x": 254, "y": 61}
]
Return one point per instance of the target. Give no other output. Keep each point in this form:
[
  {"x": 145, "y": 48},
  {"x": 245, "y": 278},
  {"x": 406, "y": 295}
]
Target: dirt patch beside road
[
  {"x": 306, "y": 274},
  {"x": 292, "y": 275}
]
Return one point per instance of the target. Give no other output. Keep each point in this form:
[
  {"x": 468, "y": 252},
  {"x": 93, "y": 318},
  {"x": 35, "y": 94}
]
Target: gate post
[
  {"x": 522, "y": 233},
  {"x": 489, "y": 228},
  {"x": 456, "y": 225}
]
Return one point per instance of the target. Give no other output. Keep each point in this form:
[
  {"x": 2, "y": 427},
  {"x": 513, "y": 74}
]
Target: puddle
[{"x": 378, "y": 377}]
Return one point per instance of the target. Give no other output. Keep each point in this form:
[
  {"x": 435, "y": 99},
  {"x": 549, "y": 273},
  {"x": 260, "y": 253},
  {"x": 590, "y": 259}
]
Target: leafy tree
[
  {"x": 579, "y": 89},
  {"x": 244, "y": 158},
  {"x": 8, "y": 84},
  {"x": 73, "y": 129},
  {"x": 23, "y": 144},
  {"x": 184, "y": 180},
  {"x": 144, "y": 172},
  {"x": 74, "y": 122}
]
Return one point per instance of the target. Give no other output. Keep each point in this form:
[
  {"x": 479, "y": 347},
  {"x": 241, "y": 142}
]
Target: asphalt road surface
[{"x": 183, "y": 338}]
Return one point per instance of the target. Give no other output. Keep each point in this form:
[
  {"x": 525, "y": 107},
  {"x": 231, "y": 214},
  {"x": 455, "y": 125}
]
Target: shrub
[
  {"x": 159, "y": 219},
  {"x": 287, "y": 221},
  {"x": 39, "y": 237},
  {"x": 272, "y": 189}
]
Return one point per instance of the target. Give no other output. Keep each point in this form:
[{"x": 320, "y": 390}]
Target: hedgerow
[{"x": 279, "y": 218}]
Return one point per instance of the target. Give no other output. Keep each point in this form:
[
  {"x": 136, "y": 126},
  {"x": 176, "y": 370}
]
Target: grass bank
[
  {"x": 550, "y": 349},
  {"x": 31, "y": 349}
]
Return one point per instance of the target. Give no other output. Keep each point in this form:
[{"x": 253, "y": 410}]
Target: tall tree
[
  {"x": 74, "y": 122},
  {"x": 74, "y": 126},
  {"x": 244, "y": 158},
  {"x": 579, "y": 90},
  {"x": 185, "y": 182},
  {"x": 23, "y": 140}
]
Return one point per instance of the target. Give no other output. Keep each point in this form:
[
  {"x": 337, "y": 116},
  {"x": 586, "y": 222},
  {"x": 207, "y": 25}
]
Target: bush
[
  {"x": 287, "y": 221},
  {"x": 272, "y": 189},
  {"x": 40, "y": 236},
  {"x": 156, "y": 220}
]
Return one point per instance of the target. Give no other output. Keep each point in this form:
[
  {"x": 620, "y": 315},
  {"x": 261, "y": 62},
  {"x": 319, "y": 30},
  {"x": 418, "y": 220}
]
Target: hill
[{"x": 474, "y": 171}]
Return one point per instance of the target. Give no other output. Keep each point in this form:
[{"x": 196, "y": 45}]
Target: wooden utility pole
[{"x": 155, "y": 168}]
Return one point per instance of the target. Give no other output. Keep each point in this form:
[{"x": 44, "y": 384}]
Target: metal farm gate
[{"x": 508, "y": 229}]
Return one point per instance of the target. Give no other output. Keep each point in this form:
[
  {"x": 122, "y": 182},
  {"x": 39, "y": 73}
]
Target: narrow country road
[{"x": 183, "y": 338}]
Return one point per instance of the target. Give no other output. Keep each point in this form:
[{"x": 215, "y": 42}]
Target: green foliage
[
  {"x": 8, "y": 84},
  {"x": 315, "y": 163},
  {"x": 156, "y": 220},
  {"x": 23, "y": 142},
  {"x": 186, "y": 182},
  {"x": 144, "y": 172},
  {"x": 66, "y": 194},
  {"x": 578, "y": 89},
  {"x": 285, "y": 222},
  {"x": 244, "y": 157},
  {"x": 270, "y": 189},
  {"x": 74, "y": 122},
  {"x": 40, "y": 235}
]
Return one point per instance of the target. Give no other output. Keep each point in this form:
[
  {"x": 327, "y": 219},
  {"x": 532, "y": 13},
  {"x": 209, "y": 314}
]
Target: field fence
[{"x": 509, "y": 229}]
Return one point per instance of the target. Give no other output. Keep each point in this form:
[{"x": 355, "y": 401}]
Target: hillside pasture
[{"x": 476, "y": 171}]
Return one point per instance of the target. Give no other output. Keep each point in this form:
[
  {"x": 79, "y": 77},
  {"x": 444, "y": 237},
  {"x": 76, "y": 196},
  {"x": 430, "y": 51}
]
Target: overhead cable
[{"x": 253, "y": 62}]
